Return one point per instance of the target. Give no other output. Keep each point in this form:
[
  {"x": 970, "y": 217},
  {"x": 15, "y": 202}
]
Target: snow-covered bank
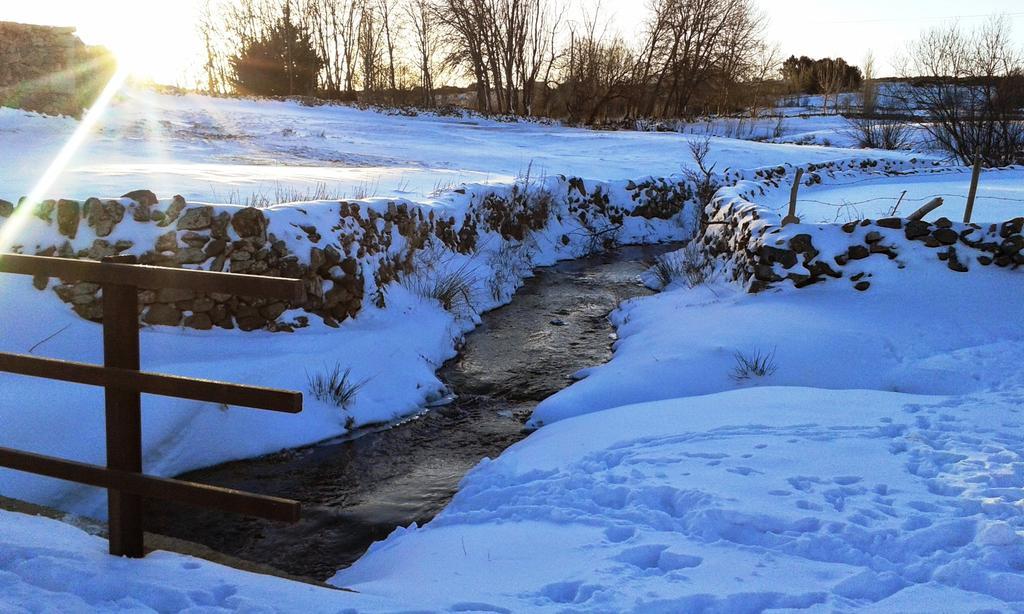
[
  {"x": 734, "y": 502},
  {"x": 49, "y": 566}
]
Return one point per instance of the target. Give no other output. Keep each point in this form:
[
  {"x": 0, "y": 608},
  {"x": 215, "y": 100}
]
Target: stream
[{"x": 357, "y": 490}]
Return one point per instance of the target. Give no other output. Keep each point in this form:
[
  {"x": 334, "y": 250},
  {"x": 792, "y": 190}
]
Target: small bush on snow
[
  {"x": 452, "y": 288},
  {"x": 758, "y": 364},
  {"x": 690, "y": 263},
  {"x": 334, "y": 386}
]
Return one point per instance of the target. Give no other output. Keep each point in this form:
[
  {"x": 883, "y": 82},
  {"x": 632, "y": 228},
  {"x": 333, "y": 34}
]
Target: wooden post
[
  {"x": 791, "y": 218},
  {"x": 975, "y": 174},
  {"x": 123, "y": 412},
  {"x": 927, "y": 208}
]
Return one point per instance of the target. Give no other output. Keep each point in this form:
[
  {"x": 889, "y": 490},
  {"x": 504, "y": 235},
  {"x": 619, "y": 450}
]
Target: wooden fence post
[
  {"x": 123, "y": 412},
  {"x": 975, "y": 174},
  {"x": 792, "y": 218}
]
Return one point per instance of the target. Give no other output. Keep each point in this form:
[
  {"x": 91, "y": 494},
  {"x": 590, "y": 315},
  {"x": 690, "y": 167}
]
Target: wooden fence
[{"x": 123, "y": 382}]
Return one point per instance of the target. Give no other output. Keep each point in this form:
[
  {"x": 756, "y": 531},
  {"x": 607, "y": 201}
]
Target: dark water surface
[{"x": 358, "y": 490}]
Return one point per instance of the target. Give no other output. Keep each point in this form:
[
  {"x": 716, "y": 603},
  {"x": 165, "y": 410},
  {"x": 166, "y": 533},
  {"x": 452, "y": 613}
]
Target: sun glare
[{"x": 10, "y": 230}]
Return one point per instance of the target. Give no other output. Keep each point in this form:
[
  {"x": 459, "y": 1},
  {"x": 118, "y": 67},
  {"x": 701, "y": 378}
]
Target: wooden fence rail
[{"x": 120, "y": 278}]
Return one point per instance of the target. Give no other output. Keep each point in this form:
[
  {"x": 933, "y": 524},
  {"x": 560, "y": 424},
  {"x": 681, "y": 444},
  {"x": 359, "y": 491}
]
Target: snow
[
  {"x": 878, "y": 468},
  {"x": 49, "y": 566},
  {"x": 220, "y": 150}
]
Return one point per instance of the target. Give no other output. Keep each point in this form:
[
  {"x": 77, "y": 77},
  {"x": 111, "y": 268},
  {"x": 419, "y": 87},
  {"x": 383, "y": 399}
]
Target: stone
[
  {"x": 103, "y": 216},
  {"x": 215, "y": 247},
  {"x": 44, "y": 210},
  {"x": 946, "y": 235},
  {"x": 194, "y": 239},
  {"x": 250, "y": 222},
  {"x": 196, "y": 218},
  {"x": 100, "y": 249},
  {"x": 167, "y": 242},
  {"x": 862, "y": 285},
  {"x": 915, "y": 229},
  {"x": 858, "y": 252},
  {"x": 162, "y": 315},
  {"x": 984, "y": 260},
  {"x": 69, "y": 214},
  {"x": 219, "y": 225},
  {"x": 273, "y": 311},
  {"x": 954, "y": 263},
  {"x": 6, "y": 208},
  {"x": 141, "y": 213},
  {"x": 173, "y": 210},
  {"x": 943, "y": 222},
  {"x": 190, "y": 255},
  {"x": 890, "y": 222},
  {"x": 849, "y": 227},
  {"x": 146, "y": 198},
  {"x": 199, "y": 321},
  {"x": 873, "y": 237}
]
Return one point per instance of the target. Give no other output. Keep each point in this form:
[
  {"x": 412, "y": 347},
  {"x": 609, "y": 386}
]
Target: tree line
[{"x": 522, "y": 57}]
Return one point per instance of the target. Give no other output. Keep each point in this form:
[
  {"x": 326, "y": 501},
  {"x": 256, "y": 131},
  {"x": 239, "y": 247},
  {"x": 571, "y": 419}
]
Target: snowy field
[
  {"x": 879, "y": 467},
  {"x": 217, "y": 150}
]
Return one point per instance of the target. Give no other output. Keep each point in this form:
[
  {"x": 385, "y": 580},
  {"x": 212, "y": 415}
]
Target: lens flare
[{"x": 10, "y": 230}]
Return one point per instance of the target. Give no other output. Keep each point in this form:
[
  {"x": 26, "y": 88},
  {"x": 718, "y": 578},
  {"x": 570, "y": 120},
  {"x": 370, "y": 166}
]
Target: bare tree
[
  {"x": 869, "y": 89},
  {"x": 425, "y": 44},
  {"x": 971, "y": 87}
]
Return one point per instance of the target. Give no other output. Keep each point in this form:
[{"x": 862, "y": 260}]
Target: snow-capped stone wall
[
  {"x": 760, "y": 251},
  {"x": 346, "y": 252}
]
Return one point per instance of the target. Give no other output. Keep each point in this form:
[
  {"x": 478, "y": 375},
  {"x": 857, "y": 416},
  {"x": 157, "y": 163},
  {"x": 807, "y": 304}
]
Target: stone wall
[
  {"x": 347, "y": 253},
  {"x": 49, "y": 70},
  {"x": 760, "y": 253}
]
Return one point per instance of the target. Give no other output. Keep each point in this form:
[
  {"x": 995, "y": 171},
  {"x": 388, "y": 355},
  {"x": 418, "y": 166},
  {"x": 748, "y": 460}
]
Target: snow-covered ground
[
  {"x": 880, "y": 466},
  {"x": 218, "y": 150}
]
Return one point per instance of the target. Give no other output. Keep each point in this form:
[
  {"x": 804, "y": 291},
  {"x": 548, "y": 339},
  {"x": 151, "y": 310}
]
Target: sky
[{"x": 157, "y": 39}]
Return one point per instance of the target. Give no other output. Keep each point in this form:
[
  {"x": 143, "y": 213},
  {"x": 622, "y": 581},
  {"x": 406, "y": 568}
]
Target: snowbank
[{"x": 739, "y": 501}]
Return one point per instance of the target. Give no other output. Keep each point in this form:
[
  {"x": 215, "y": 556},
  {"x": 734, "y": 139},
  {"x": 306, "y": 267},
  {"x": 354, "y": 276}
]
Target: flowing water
[{"x": 358, "y": 490}]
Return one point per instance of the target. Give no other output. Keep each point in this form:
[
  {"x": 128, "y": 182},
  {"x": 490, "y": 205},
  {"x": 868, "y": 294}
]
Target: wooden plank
[
  {"x": 149, "y": 487},
  {"x": 255, "y": 397},
  {"x": 144, "y": 276},
  {"x": 123, "y": 413}
]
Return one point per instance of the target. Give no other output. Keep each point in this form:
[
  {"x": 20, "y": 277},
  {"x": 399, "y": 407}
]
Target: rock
[
  {"x": 849, "y": 227},
  {"x": 954, "y": 263},
  {"x": 194, "y": 239},
  {"x": 858, "y": 252},
  {"x": 69, "y": 214},
  {"x": 250, "y": 222},
  {"x": 100, "y": 249},
  {"x": 273, "y": 311},
  {"x": 6, "y": 208},
  {"x": 219, "y": 225},
  {"x": 199, "y": 321},
  {"x": 915, "y": 229},
  {"x": 890, "y": 222},
  {"x": 146, "y": 198},
  {"x": 162, "y": 315},
  {"x": 862, "y": 285},
  {"x": 40, "y": 281},
  {"x": 196, "y": 218},
  {"x": 215, "y": 247},
  {"x": 44, "y": 210},
  {"x": 141, "y": 213},
  {"x": 946, "y": 235},
  {"x": 190, "y": 255},
  {"x": 167, "y": 242},
  {"x": 873, "y": 237},
  {"x": 103, "y": 216},
  {"x": 943, "y": 222},
  {"x": 173, "y": 210}
]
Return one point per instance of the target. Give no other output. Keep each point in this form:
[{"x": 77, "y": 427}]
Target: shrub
[
  {"x": 334, "y": 386},
  {"x": 758, "y": 364},
  {"x": 875, "y": 133},
  {"x": 452, "y": 288},
  {"x": 690, "y": 263}
]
